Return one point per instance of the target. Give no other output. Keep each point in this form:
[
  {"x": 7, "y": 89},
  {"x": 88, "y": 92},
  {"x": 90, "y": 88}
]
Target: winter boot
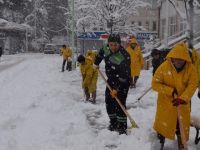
[
  {"x": 122, "y": 127},
  {"x": 113, "y": 125},
  {"x": 94, "y": 97},
  {"x": 62, "y": 69},
  {"x": 87, "y": 94}
]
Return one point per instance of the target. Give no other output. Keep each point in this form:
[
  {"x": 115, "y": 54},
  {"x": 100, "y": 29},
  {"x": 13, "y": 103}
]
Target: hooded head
[
  {"x": 180, "y": 51},
  {"x": 133, "y": 43},
  {"x": 89, "y": 53},
  {"x": 179, "y": 55}
]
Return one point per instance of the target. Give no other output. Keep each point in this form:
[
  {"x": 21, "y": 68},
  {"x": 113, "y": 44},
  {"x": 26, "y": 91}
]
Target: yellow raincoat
[
  {"x": 91, "y": 54},
  {"x": 89, "y": 75},
  {"x": 137, "y": 60},
  {"x": 165, "y": 80},
  {"x": 66, "y": 53},
  {"x": 196, "y": 62}
]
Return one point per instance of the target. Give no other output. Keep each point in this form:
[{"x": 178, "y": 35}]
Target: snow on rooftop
[{"x": 6, "y": 25}]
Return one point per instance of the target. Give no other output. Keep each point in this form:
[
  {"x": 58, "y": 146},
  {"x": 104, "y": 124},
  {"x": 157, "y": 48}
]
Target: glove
[
  {"x": 113, "y": 93},
  {"x": 198, "y": 94},
  {"x": 174, "y": 93},
  {"x": 177, "y": 101}
]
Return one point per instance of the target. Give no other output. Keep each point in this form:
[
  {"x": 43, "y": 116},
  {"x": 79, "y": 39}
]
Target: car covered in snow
[{"x": 50, "y": 49}]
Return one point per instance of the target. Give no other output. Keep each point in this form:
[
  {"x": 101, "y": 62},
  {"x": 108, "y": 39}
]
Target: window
[
  {"x": 95, "y": 29},
  {"x": 147, "y": 25},
  {"x": 154, "y": 26},
  {"x": 163, "y": 26},
  {"x": 182, "y": 25},
  {"x": 133, "y": 22},
  {"x": 172, "y": 26},
  {"x": 140, "y": 23}
]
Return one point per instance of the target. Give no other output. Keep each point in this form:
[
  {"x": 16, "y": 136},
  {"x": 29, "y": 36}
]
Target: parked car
[{"x": 49, "y": 49}]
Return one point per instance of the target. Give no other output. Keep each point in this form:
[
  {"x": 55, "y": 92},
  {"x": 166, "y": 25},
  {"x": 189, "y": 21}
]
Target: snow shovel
[
  {"x": 183, "y": 138},
  {"x": 142, "y": 95},
  {"x": 133, "y": 123}
]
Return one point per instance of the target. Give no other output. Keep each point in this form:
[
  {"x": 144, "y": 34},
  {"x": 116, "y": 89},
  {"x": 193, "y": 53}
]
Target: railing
[{"x": 173, "y": 40}]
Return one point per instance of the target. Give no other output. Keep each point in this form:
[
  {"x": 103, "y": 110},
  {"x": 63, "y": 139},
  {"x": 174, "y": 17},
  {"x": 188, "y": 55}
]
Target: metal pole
[
  {"x": 35, "y": 19},
  {"x": 167, "y": 24},
  {"x": 191, "y": 12},
  {"x": 26, "y": 40},
  {"x": 73, "y": 47}
]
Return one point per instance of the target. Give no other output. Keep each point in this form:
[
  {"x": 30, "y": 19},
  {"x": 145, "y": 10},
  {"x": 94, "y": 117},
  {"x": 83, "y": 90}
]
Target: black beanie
[
  {"x": 81, "y": 58},
  {"x": 114, "y": 38}
]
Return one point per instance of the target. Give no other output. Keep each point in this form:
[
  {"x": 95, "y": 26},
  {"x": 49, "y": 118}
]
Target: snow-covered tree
[
  {"x": 109, "y": 14},
  {"x": 38, "y": 17},
  {"x": 14, "y": 10}
]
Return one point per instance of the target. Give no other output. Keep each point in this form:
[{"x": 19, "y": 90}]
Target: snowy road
[{"x": 41, "y": 108}]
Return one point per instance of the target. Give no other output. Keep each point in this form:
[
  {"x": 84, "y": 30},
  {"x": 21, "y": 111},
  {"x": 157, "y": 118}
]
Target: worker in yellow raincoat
[
  {"x": 175, "y": 80},
  {"x": 91, "y": 54},
  {"x": 89, "y": 77},
  {"x": 67, "y": 56},
  {"x": 137, "y": 60},
  {"x": 196, "y": 62}
]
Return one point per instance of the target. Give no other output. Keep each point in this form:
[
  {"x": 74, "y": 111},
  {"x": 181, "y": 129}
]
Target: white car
[{"x": 50, "y": 49}]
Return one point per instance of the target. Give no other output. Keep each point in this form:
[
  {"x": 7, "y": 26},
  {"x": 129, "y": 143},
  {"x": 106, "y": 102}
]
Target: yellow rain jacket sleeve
[
  {"x": 164, "y": 81},
  {"x": 137, "y": 60}
]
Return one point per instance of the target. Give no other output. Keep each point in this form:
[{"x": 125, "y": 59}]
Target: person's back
[
  {"x": 89, "y": 77},
  {"x": 157, "y": 59}
]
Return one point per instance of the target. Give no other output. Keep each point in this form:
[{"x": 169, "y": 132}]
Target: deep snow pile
[{"x": 42, "y": 108}]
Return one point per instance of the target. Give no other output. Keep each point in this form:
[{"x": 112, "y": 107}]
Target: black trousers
[
  {"x": 117, "y": 117},
  {"x": 69, "y": 65},
  {"x": 63, "y": 64}
]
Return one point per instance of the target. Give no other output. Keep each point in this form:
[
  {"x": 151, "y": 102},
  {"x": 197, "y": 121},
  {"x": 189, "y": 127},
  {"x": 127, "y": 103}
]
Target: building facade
[
  {"x": 173, "y": 21},
  {"x": 147, "y": 17}
]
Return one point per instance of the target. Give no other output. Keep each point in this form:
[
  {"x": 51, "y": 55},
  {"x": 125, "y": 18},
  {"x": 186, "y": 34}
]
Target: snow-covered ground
[{"x": 42, "y": 108}]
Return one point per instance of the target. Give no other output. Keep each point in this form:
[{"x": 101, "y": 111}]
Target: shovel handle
[{"x": 133, "y": 123}]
